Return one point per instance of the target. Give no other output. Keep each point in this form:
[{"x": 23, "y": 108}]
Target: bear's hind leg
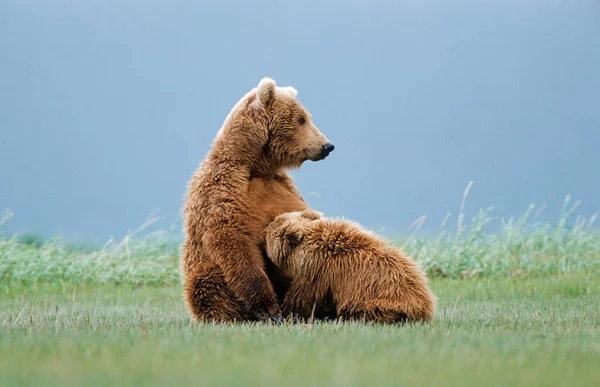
[{"x": 209, "y": 298}]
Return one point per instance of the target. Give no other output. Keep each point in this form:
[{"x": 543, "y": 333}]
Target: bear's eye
[{"x": 301, "y": 120}]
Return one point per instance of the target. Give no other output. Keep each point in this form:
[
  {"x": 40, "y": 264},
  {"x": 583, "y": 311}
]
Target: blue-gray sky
[{"x": 107, "y": 107}]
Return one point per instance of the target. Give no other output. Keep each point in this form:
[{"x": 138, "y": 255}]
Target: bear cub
[{"x": 340, "y": 270}]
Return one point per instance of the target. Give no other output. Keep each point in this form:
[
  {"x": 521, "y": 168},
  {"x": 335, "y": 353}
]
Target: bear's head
[
  {"x": 292, "y": 138},
  {"x": 284, "y": 234},
  {"x": 269, "y": 129}
]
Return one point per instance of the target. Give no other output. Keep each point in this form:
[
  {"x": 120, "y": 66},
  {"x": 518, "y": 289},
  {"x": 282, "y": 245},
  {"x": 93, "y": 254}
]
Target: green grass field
[
  {"x": 493, "y": 332},
  {"x": 520, "y": 306}
]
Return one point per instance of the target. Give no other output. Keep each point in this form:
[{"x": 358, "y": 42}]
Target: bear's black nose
[{"x": 328, "y": 148}]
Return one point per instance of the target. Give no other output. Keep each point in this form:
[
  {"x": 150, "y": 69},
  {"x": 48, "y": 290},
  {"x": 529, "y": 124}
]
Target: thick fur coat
[
  {"x": 239, "y": 188},
  {"x": 339, "y": 270}
]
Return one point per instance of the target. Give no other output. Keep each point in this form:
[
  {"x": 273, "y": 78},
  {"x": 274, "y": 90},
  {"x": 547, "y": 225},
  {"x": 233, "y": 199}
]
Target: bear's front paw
[{"x": 268, "y": 313}]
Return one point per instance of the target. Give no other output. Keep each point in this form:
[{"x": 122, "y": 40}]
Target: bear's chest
[{"x": 267, "y": 198}]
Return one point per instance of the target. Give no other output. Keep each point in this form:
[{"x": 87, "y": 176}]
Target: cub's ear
[
  {"x": 289, "y": 90},
  {"x": 265, "y": 91},
  {"x": 311, "y": 214},
  {"x": 289, "y": 241},
  {"x": 281, "y": 237}
]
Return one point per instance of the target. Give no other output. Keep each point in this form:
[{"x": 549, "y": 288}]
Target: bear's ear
[
  {"x": 289, "y": 90},
  {"x": 280, "y": 243},
  {"x": 291, "y": 239},
  {"x": 265, "y": 91},
  {"x": 311, "y": 214}
]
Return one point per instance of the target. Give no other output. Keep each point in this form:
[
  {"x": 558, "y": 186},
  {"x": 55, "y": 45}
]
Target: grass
[
  {"x": 493, "y": 332},
  {"x": 522, "y": 247},
  {"x": 520, "y": 306}
]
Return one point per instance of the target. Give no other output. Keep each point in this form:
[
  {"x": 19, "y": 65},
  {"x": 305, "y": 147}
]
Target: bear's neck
[
  {"x": 241, "y": 143},
  {"x": 264, "y": 168},
  {"x": 245, "y": 156}
]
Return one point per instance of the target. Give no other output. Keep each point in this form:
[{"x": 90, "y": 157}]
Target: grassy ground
[
  {"x": 520, "y": 306},
  {"x": 493, "y": 332}
]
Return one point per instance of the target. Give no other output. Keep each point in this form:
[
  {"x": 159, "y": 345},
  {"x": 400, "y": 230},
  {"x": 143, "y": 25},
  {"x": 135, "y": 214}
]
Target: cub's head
[
  {"x": 292, "y": 137},
  {"x": 284, "y": 235}
]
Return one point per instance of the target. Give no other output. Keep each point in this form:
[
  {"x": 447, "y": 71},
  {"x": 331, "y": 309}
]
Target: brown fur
[
  {"x": 239, "y": 188},
  {"x": 340, "y": 270}
]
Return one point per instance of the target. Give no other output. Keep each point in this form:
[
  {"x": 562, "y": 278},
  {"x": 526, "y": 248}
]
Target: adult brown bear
[{"x": 239, "y": 188}]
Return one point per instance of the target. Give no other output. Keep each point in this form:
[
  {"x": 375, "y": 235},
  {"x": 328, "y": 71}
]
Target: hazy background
[{"x": 107, "y": 107}]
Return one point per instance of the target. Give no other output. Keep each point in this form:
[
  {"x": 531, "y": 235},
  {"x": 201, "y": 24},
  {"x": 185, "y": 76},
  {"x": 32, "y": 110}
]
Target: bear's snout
[{"x": 326, "y": 149}]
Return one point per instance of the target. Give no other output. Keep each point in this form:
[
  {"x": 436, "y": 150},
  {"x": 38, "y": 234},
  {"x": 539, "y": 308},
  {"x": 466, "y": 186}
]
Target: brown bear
[
  {"x": 239, "y": 188},
  {"x": 342, "y": 271}
]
